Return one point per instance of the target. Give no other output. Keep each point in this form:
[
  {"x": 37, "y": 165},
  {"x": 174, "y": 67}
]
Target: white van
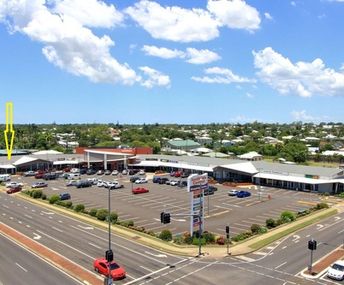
[
  {"x": 5, "y": 177},
  {"x": 73, "y": 176}
]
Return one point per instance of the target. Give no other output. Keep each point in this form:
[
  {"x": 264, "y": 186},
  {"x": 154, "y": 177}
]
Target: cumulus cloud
[
  {"x": 268, "y": 16},
  {"x": 235, "y": 14},
  {"x": 301, "y": 78},
  {"x": 163, "y": 52},
  {"x": 303, "y": 116},
  {"x": 221, "y": 76},
  {"x": 187, "y": 25},
  {"x": 191, "y": 55},
  {"x": 154, "y": 78},
  {"x": 90, "y": 13}
]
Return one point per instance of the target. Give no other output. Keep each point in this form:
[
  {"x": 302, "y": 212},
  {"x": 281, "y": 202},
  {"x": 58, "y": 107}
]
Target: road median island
[
  {"x": 240, "y": 248},
  {"x": 54, "y": 258}
]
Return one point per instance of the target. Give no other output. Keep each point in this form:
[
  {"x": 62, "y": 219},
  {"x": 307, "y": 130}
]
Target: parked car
[
  {"x": 83, "y": 170},
  {"x": 101, "y": 183},
  {"x": 213, "y": 188},
  {"x": 100, "y": 172},
  {"x": 336, "y": 271},
  {"x": 124, "y": 171},
  {"x": 91, "y": 171},
  {"x": 184, "y": 175},
  {"x": 5, "y": 177},
  {"x": 107, "y": 172},
  {"x": 75, "y": 170},
  {"x": 133, "y": 171},
  {"x": 208, "y": 191},
  {"x": 232, "y": 192},
  {"x": 177, "y": 174},
  {"x": 39, "y": 174},
  {"x": 72, "y": 183},
  {"x": 72, "y": 176},
  {"x": 50, "y": 176},
  {"x": 182, "y": 183},
  {"x": 141, "y": 172},
  {"x": 141, "y": 180},
  {"x": 140, "y": 190},
  {"x": 116, "y": 185},
  {"x": 174, "y": 183},
  {"x": 83, "y": 184},
  {"x": 102, "y": 266},
  {"x": 163, "y": 180},
  {"x": 115, "y": 172},
  {"x": 14, "y": 184},
  {"x": 65, "y": 196},
  {"x": 243, "y": 194},
  {"x": 39, "y": 185},
  {"x": 29, "y": 173},
  {"x": 12, "y": 190},
  {"x": 134, "y": 178},
  {"x": 156, "y": 179}
]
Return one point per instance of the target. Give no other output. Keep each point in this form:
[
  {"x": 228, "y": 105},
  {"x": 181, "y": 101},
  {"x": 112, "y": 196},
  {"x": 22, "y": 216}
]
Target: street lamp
[{"x": 109, "y": 253}]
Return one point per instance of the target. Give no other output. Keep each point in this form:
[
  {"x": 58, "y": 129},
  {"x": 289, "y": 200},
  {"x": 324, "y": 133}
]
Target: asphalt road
[
  {"x": 144, "y": 209},
  {"x": 18, "y": 266},
  {"x": 280, "y": 263}
]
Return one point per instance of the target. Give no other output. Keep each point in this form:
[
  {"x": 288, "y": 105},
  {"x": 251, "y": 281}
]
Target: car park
[
  {"x": 141, "y": 180},
  {"x": 134, "y": 178},
  {"x": 12, "y": 190},
  {"x": 39, "y": 185},
  {"x": 29, "y": 173},
  {"x": 65, "y": 196},
  {"x": 140, "y": 190},
  {"x": 184, "y": 175},
  {"x": 336, "y": 271},
  {"x": 232, "y": 192},
  {"x": 101, "y": 266},
  {"x": 116, "y": 185},
  {"x": 243, "y": 194}
]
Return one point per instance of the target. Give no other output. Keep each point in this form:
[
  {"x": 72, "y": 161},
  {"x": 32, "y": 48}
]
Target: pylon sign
[{"x": 196, "y": 186}]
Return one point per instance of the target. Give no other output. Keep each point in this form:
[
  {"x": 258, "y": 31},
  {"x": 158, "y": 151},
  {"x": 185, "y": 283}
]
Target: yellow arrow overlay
[{"x": 9, "y": 132}]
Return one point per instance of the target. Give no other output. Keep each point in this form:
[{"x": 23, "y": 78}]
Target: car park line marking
[
  {"x": 158, "y": 227},
  {"x": 178, "y": 220},
  {"x": 337, "y": 218},
  {"x": 4, "y": 214},
  {"x": 21, "y": 267},
  {"x": 145, "y": 268},
  {"x": 57, "y": 229},
  {"x": 144, "y": 225},
  {"x": 341, "y": 231},
  {"x": 231, "y": 205},
  {"x": 256, "y": 220},
  {"x": 28, "y": 216},
  {"x": 143, "y": 221},
  {"x": 156, "y": 255},
  {"x": 20, "y": 222},
  {"x": 5, "y": 206},
  {"x": 18, "y": 204},
  {"x": 48, "y": 213},
  {"x": 284, "y": 247},
  {"x": 11, "y": 218}
]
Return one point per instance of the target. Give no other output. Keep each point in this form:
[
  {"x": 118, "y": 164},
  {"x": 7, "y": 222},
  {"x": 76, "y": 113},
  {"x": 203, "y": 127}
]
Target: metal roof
[
  {"x": 183, "y": 143},
  {"x": 292, "y": 178}
]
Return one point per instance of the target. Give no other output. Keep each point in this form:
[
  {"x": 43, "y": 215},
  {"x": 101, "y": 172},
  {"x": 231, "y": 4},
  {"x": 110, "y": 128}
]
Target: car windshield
[
  {"x": 114, "y": 266},
  {"x": 338, "y": 267}
]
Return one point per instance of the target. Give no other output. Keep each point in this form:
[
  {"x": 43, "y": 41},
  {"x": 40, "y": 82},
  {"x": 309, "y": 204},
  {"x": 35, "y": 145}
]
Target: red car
[
  {"x": 14, "y": 189},
  {"x": 140, "y": 190},
  {"x": 177, "y": 174},
  {"x": 102, "y": 266}
]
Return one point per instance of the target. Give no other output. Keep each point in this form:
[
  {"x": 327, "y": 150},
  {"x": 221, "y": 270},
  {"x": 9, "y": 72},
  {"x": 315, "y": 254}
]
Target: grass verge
[{"x": 264, "y": 242}]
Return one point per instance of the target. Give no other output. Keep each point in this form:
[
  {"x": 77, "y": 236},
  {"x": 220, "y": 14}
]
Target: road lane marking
[
  {"x": 21, "y": 267},
  {"x": 341, "y": 231},
  {"x": 280, "y": 265},
  {"x": 36, "y": 236},
  {"x": 28, "y": 216},
  {"x": 57, "y": 229},
  {"x": 145, "y": 268},
  {"x": 156, "y": 255},
  {"x": 85, "y": 228},
  {"x": 94, "y": 245}
]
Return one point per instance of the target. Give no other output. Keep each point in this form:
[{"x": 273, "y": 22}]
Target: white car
[
  {"x": 125, "y": 172},
  {"x": 174, "y": 183},
  {"x": 141, "y": 180},
  {"x": 115, "y": 172},
  {"x": 101, "y": 184},
  {"x": 141, "y": 172},
  {"x": 232, "y": 192},
  {"x": 336, "y": 271},
  {"x": 13, "y": 184}
]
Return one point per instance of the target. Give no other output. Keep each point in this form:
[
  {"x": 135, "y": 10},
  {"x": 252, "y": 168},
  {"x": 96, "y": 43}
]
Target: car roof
[{"x": 339, "y": 262}]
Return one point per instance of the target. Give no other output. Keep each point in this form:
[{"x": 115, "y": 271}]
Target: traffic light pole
[{"x": 109, "y": 282}]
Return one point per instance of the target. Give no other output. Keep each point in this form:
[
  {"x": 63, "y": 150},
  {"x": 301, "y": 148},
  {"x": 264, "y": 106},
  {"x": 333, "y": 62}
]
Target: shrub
[
  {"x": 341, "y": 195},
  {"x": 187, "y": 238},
  {"x": 151, "y": 233},
  {"x": 36, "y": 194},
  {"x": 322, "y": 205},
  {"x": 255, "y": 229},
  {"x": 262, "y": 230},
  {"x": 102, "y": 214},
  {"x": 195, "y": 241},
  {"x": 44, "y": 197},
  {"x": 68, "y": 204},
  {"x": 93, "y": 212},
  {"x": 27, "y": 192},
  {"x": 79, "y": 208},
  {"x": 270, "y": 223},
  {"x": 288, "y": 216},
  {"x": 279, "y": 222},
  {"x": 53, "y": 199},
  {"x": 165, "y": 235},
  {"x": 60, "y": 203},
  {"x": 113, "y": 217},
  {"x": 220, "y": 240},
  {"x": 209, "y": 237},
  {"x": 130, "y": 223},
  {"x": 242, "y": 236},
  {"x": 178, "y": 239}
]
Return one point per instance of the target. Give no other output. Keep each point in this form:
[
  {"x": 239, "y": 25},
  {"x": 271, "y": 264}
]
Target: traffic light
[
  {"x": 109, "y": 255},
  {"x": 312, "y": 244},
  {"x": 165, "y": 218},
  {"x": 227, "y": 229}
]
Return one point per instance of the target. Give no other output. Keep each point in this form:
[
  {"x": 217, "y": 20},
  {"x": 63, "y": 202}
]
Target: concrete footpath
[{"x": 56, "y": 259}]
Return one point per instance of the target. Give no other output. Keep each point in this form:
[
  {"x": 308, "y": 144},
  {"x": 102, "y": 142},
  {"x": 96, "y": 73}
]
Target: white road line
[
  {"x": 21, "y": 267},
  {"x": 341, "y": 231},
  {"x": 94, "y": 245},
  {"x": 280, "y": 265},
  {"x": 57, "y": 229},
  {"x": 145, "y": 268},
  {"x": 5, "y": 206},
  {"x": 28, "y": 216}
]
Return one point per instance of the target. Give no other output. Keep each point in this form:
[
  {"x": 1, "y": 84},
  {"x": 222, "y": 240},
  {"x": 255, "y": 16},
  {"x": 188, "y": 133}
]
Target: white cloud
[
  {"x": 191, "y": 55},
  {"x": 235, "y": 14},
  {"x": 302, "y": 116},
  {"x": 243, "y": 119},
  {"x": 268, "y": 16},
  {"x": 187, "y": 25},
  {"x": 154, "y": 78},
  {"x": 70, "y": 45},
  {"x": 221, "y": 76},
  {"x": 163, "y": 52},
  {"x": 90, "y": 13},
  {"x": 302, "y": 78},
  {"x": 202, "y": 56},
  {"x": 174, "y": 23},
  {"x": 293, "y": 3},
  {"x": 249, "y": 95}
]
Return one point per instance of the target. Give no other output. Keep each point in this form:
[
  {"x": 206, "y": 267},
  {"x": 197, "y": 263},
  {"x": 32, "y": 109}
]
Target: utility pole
[
  {"x": 109, "y": 253},
  {"x": 228, "y": 239}
]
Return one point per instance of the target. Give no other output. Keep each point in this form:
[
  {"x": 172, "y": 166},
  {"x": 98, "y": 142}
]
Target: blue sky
[{"x": 78, "y": 61}]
